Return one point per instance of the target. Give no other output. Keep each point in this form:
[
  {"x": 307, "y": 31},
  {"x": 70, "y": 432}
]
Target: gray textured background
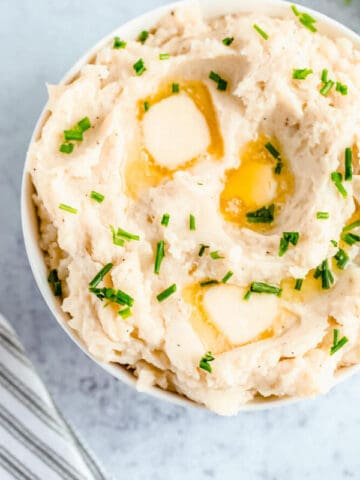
[{"x": 137, "y": 437}]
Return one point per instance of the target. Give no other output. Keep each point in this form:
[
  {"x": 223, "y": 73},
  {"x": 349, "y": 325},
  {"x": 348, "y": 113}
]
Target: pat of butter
[
  {"x": 175, "y": 131},
  {"x": 240, "y": 320}
]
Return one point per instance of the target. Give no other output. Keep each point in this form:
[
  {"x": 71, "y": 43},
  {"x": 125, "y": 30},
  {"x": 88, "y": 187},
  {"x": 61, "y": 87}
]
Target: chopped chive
[
  {"x": 263, "y": 215},
  {"x": 160, "y": 254},
  {"x": 308, "y": 22},
  {"x": 118, "y": 43},
  {"x": 322, "y": 215},
  {"x": 336, "y": 177},
  {"x": 227, "y": 277},
  {"x": 261, "y": 31},
  {"x": 112, "y": 295},
  {"x": 301, "y": 73},
  {"x": 351, "y": 226},
  {"x": 164, "y": 56},
  {"x": 139, "y": 67},
  {"x": 202, "y": 249},
  {"x": 98, "y": 197},
  {"x": 100, "y": 275},
  {"x": 204, "y": 362},
  {"x": 84, "y": 124},
  {"x": 350, "y": 238},
  {"x": 206, "y": 283},
  {"x": 286, "y": 239},
  {"x": 67, "y": 208},
  {"x": 334, "y": 243},
  {"x": 337, "y": 344},
  {"x": 228, "y": 41},
  {"x": 247, "y": 295},
  {"x": 126, "y": 235},
  {"x": 348, "y": 163},
  {"x": 53, "y": 279},
  {"x": 125, "y": 312},
  {"x": 117, "y": 240},
  {"x": 278, "y": 168},
  {"x": 166, "y": 293},
  {"x": 343, "y": 89},
  {"x": 175, "y": 88},
  {"x": 146, "y": 106},
  {"x": 143, "y": 36},
  {"x": 298, "y": 283},
  {"x": 221, "y": 83},
  {"x": 295, "y": 10},
  {"x": 73, "y": 135},
  {"x": 324, "y": 75},
  {"x": 324, "y": 272},
  {"x": 341, "y": 258},
  {"x": 327, "y": 87},
  {"x": 216, "y": 255},
  {"x": 165, "y": 219},
  {"x": 272, "y": 150},
  {"x": 260, "y": 287},
  {"x": 66, "y": 148},
  {"x": 192, "y": 223}
]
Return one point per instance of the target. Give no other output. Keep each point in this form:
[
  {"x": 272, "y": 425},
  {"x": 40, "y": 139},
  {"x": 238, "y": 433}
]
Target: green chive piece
[
  {"x": 73, "y": 135},
  {"x": 351, "y": 226},
  {"x": 207, "y": 283},
  {"x": 263, "y": 215},
  {"x": 202, "y": 249},
  {"x": 113, "y": 296},
  {"x": 84, "y": 124},
  {"x": 165, "y": 219},
  {"x": 67, "y": 208},
  {"x": 324, "y": 272},
  {"x": 204, "y": 362},
  {"x": 146, "y": 106},
  {"x": 159, "y": 256},
  {"x": 272, "y": 150},
  {"x": 139, "y": 67},
  {"x": 98, "y": 197},
  {"x": 337, "y": 344},
  {"x": 301, "y": 73},
  {"x": 247, "y": 295},
  {"x": 118, "y": 43},
  {"x": 343, "y": 89},
  {"x": 327, "y": 87},
  {"x": 334, "y": 243},
  {"x": 341, "y": 258},
  {"x": 336, "y": 177},
  {"x": 192, "y": 223},
  {"x": 125, "y": 312},
  {"x": 175, "y": 88},
  {"x": 164, "y": 56},
  {"x": 350, "y": 238},
  {"x": 126, "y": 235},
  {"x": 260, "y": 287},
  {"x": 100, "y": 275},
  {"x": 228, "y": 41},
  {"x": 66, "y": 148},
  {"x": 143, "y": 36},
  {"x": 295, "y": 10},
  {"x": 348, "y": 164},
  {"x": 221, "y": 83},
  {"x": 298, "y": 283},
  {"x": 287, "y": 238},
  {"x": 308, "y": 22},
  {"x": 261, "y": 31},
  {"x": 117, "y": 240},
  {"x": 216, "y": 255},
  {"x": 322, "y": 215},
  {"x": 227, "y": 276},
  {"x": 53, "y": 279},
  {"x": 324, "y": 75},
  {"x": 166, "y": 293}
]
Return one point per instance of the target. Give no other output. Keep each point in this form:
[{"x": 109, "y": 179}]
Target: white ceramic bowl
[{"x": 130, "y": 30}]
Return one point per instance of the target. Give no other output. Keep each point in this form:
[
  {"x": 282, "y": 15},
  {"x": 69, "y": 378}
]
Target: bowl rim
[{"x": 29, "y": 219}]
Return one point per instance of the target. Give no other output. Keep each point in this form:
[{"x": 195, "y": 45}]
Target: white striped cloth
[{"x": 36, "y": 443}]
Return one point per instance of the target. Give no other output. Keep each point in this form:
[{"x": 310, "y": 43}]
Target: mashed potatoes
[{"x": 193, "y": 187}]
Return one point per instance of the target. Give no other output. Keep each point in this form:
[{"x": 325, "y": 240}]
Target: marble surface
[{"x": 135, "y": 436}]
